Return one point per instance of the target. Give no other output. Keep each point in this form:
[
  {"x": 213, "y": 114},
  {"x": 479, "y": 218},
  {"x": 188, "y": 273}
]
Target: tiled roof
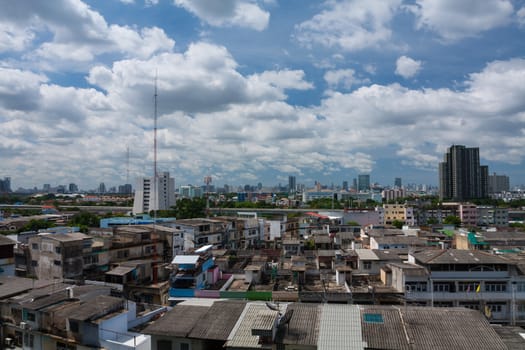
[
  {"x": 218, "y": 321},
  {"x": 178, "y": 322}
]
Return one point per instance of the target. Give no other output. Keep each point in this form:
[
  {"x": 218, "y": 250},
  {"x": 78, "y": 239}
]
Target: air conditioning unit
[{"x": 23, "y": 325}]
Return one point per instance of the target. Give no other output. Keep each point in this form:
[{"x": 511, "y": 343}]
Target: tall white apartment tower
[{"x": 150, "y": 196}]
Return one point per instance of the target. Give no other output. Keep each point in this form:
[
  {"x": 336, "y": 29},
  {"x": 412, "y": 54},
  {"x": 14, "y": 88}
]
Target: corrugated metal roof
[
  {"x": 241, "y": 335},
  {"x": 185, "y": 259},
  {"x": 390, "y": 333},
  {"x": 219, "y": 321},
  {"x": 450, "y": 328},
  {"x": 366, "y": 254},
  {"x": 340, "y": 328},
  {"x": 303, "y": 328},
  {"x": 178, "y": 322}
]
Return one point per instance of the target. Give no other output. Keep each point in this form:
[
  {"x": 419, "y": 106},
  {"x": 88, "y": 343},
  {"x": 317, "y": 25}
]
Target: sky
[{"x": 253, "y": 91}]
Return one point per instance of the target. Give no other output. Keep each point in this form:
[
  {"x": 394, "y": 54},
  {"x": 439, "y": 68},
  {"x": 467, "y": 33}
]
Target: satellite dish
[
  {"x": 286, "y": 318},
  {"x": 272, "y": 306}
]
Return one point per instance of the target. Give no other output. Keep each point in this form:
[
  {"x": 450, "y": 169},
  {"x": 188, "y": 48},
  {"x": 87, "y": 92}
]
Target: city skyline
[{"x": 258, "y": 90}]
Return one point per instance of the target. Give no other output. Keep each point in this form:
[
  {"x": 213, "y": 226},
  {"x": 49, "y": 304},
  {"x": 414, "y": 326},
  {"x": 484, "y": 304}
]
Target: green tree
[
  {"x": 353, "y": 223},
  {"x": 84, "y": 220},
  {"x": 190, "y": 208},
  {"x": 398, "y": 224},
  {"x": 432, "y": 221},
  {"x": 35, "y": 225},
  {"x": 452, "y": 220}
]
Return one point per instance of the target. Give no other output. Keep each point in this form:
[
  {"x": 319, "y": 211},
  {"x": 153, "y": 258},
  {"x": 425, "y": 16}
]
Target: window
[
  {"x": 34, "y": 263},
  {"x": 496, "y": 307},
  {"x": 28, "y": 340},
  {"x": 184, "y": 346},
  {"x": 163, "y": 344},
  {"x": 416, "y": 286},
  {"x": 367, "y": 265},
  {"x": 73, "y": 326},
  {"x": 58, "y": 250},
  {"x": 443, "y": 287},
  {"x": 57, "y": 262},
  {"x": 64, "y": 346},
  {"x": 34, "y": 246},
  {"x": 467, "y": 287},
  {"x": 495, "y": 286},
  {"x": 520, "y": 287},
  {"x": 30, "y": 317}
]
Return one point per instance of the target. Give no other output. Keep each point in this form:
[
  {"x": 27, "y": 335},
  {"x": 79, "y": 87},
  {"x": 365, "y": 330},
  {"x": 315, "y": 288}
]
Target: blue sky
[{"x": 256, "y": 90}]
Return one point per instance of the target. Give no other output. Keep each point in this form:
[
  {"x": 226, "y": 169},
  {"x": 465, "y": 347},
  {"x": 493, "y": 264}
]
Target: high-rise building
[
  {"x": 363, "y": 183},
  {"x": 73, "y": 188},
  {"x": 461, "y": 177},
  {"x": 397, "y": 182},
  {"x": 154, "y": 195},
  {"x": 292, "y": 185},
  {"x": 5, "y": 185},
  {"x": 498, "y": 183},
  {"x": 345, "y": 185},
  {"x": 102, "y": 188},
  {"x": 125, "y": 189}
]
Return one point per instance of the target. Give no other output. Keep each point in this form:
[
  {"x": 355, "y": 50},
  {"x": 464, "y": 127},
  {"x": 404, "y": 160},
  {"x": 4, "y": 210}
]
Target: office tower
[
  {"x": 102, "y": 188},
  {"x": 354, "y": 184},
  {"x": 363, "y": 183},
  {"x": 125, "y": 189},
  {"x": 154, "y": 195},
  {"x": 461, "y": 178},
  {"x": 397, "y": 182},
  {"x": 5, "y": 185},
  {"x": 73, "y": 188},
  {"x": 345, "y": 185},
  {"x": 498, "y": 183},
  {"x": 292, "y": 186}
]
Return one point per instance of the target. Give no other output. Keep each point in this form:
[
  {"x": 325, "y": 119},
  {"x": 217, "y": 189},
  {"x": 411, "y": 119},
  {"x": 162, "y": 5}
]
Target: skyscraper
[
  {"x": 461, "y": 177},
  {"x": 291, "y": 185},
  {"x": 363, "y": 183},
  {"x": 498, "y": 183},
  {"x": 154, "y": 196},
  {"x": 397, "y": 182}
]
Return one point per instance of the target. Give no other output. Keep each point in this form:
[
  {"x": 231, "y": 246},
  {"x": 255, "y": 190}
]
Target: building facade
[
  {"x": 461, "y": 177},
  {"x": 154, "y": 194}
]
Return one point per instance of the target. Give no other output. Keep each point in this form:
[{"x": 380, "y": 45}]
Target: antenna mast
[
  {"x": 127, "y": 164},
  {"x": 155, "y": 186}
]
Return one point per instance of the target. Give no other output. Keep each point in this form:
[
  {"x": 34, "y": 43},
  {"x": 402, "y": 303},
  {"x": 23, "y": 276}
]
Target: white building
[{"x": 154, "y": 195}]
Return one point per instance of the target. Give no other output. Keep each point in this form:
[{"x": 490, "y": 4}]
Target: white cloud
[
  {"x": 407, "y": 67},
  {"x": 521, "y": 16},
  {"x": 227, "y": 13},
  {"x": 349, "y": 25},
  {"x": 341, "y": 77},
  {"x": 79, "y": 35},
  {"x": 454, "y": 20},
  {"x": 286, "y": 79}
]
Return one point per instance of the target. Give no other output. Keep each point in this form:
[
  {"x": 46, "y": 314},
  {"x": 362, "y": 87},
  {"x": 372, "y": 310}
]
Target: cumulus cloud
[
  {"x": 521, "y": 16},
  {"x": 349, "y": 25},
  {"x": 407, "y": 67},
  {"x": 227, "y": 13},
  {"x": 344, "y": 78},
  {"x": 78, "y": 34},
  {"x": 455, "y": 20}
]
